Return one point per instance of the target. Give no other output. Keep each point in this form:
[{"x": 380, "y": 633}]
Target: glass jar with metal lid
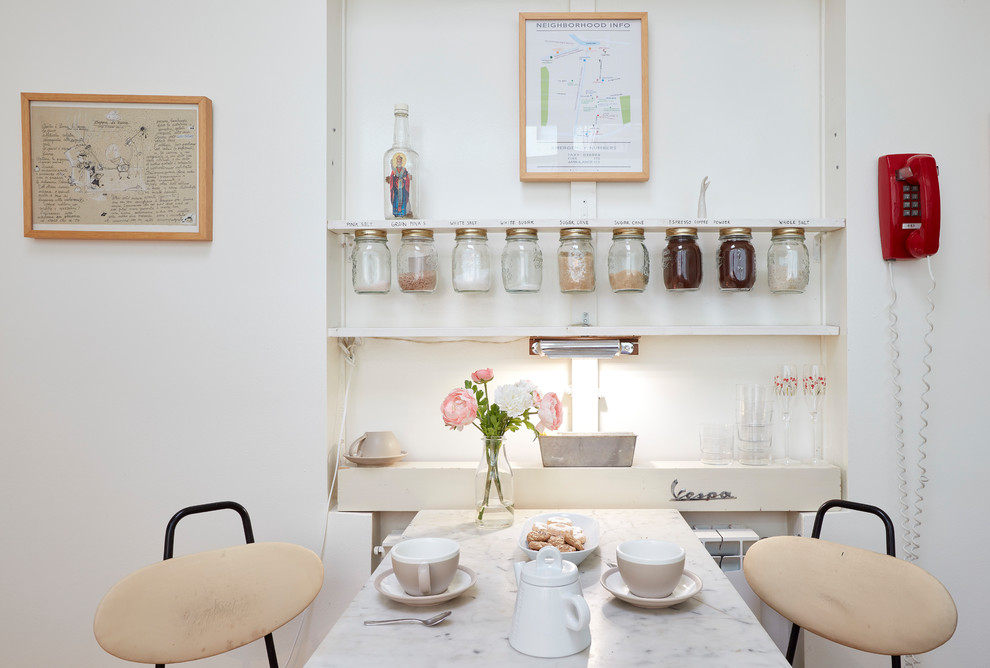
[
  {"x": 628, "y": 260},
  {"x": 371, "y": 262},
  {"x": 736, "y": 260},
  {"x": 576, "y": 260},
  {"x": 682, "y": 260},
  {"x": 471, "y": 263},
  {"x": 522, "y": 261},
  {"x": 416, "y": 261},
  {"x": 788, "y": 262}
]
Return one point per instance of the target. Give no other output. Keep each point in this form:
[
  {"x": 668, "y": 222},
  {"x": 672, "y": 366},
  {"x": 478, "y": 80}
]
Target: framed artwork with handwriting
[
  {"x": 583, "y": 97},
  {"x": 117, "y": 166}
]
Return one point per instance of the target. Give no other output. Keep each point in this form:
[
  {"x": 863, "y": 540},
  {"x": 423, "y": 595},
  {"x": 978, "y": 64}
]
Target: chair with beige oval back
[
  {"x": 203, "y": 604},
  {"x": 858, "y": 598}
]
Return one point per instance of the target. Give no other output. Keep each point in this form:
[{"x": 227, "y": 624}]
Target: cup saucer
[
  {"x": 387, "y": 584},
  {"x": 375, "y": 461},
  {"x": 688, "y": 586}
]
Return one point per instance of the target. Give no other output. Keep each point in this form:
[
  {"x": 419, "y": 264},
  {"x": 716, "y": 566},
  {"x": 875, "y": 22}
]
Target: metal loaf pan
[{"x": 594, "y": 449}]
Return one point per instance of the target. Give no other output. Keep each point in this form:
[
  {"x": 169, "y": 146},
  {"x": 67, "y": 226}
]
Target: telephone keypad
[{"x": 911, "y": 202}]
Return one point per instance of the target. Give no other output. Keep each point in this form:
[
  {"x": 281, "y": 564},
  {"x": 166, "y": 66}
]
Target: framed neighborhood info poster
[
  {"x": 583, "y": 97},
  {"x": 117, "y": 166}
]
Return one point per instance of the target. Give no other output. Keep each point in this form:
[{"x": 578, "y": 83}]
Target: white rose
[{"x": 513, "y": 399}]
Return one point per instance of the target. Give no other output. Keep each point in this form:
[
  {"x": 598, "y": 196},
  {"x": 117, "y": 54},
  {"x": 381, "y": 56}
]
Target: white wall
[
  {"x": 735, "y": 99},
  {"x": 139, "y": 377},
  {"x": 910, "y": 89}
]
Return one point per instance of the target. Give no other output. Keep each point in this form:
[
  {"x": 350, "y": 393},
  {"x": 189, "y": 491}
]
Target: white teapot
[{"x": 551, "y": 618}]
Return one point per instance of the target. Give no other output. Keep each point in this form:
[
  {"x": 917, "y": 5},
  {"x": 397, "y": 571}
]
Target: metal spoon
[{"x": 432, "y": 621}]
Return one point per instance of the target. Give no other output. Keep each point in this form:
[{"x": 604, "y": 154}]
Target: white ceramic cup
[
  {"x": 425, "y": 566},
  {"x": 650, "y": 568},
  {"x": 375, "y": 444}
]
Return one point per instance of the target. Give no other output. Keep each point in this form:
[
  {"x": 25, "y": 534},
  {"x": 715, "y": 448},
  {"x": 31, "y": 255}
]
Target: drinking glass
[
  {"x": 785, "y": 385},
  {"x": 813, "y": 383},
  {"x": 754, "y": 423}
]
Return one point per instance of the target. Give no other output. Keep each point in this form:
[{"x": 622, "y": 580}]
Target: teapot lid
[{"x": 549, "y": 569}]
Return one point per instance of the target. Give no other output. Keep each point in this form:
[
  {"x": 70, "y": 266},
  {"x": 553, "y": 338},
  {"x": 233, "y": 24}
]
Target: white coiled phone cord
[
  {"x": 347, "y": 348},
  {"x": 911, "y": 501}
]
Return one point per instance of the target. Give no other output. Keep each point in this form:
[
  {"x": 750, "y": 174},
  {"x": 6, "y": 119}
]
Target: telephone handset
[{"x": 910, "y": 207}]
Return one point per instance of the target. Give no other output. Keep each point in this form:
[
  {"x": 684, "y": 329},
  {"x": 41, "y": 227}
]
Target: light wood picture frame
[
  {"x": 117, "y": 166},
  {"x": 583, "y": 97}
]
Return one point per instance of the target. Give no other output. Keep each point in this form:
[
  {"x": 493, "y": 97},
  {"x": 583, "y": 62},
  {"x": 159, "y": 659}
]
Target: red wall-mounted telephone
[{"x": 910, "y": 207}]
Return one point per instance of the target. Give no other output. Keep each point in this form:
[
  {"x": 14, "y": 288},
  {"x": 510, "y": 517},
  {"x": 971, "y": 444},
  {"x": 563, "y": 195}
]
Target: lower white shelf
[{"x": 684, "y": 486}]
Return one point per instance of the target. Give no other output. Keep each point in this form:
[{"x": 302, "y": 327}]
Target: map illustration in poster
[
  {"x": 584, "y": 96},
  {"x": 100, "y": 167}
]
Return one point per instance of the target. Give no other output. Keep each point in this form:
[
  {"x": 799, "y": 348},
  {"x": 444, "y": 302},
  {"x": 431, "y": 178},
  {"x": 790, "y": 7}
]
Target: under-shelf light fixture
[{"x": 583, "y": 347}]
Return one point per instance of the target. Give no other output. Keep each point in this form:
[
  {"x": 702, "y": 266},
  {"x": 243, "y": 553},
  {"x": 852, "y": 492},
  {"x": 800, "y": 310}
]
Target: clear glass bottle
[
  {"x": 682, "y": 260},
  {"x": 628, "y": 261},
  {"x": 576, "y": 261},
  {"x": 371, "y": 262},
  {"x": 736, "y": 260},
  {"x": 416, "y": 261},
  {"x": 471, "y": 263},
  {"x": 522, "y": 261},
  {"x": 401, "y": 171},
  {"x": 788, "y": 262}
]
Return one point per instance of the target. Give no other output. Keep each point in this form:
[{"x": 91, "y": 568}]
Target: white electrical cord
[{"x": 349, "y": 359}]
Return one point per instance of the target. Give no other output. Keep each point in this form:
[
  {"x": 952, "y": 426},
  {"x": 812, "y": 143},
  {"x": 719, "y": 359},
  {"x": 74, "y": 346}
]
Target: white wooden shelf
[
  {"x": 682, "y": 485},
  {"x": 519, "y": 332},
  {"x": 648, "y": 224}
]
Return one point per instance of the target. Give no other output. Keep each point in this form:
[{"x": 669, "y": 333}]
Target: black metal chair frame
[
  {"x": 816, "y": 531},
  {"x": 248, "y": 538}
]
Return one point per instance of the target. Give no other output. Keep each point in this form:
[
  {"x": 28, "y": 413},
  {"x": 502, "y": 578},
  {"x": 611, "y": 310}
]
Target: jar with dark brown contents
[
  {"x": 736, "y": 260},
  {"x": 682, "y": 259}
]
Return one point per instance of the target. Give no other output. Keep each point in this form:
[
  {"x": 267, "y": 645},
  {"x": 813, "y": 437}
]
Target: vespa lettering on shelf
[{"x": 684, "y": 495}]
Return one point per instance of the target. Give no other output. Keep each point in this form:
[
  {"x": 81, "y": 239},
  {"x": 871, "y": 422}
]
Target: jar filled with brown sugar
[
  {"x": 416, "y": 261},
  {"x": 682, "y": 260},
  {"x": 576, "y": 261},
  {"x": 736, "y": 260},
  {"x": 628, "y": 261}
]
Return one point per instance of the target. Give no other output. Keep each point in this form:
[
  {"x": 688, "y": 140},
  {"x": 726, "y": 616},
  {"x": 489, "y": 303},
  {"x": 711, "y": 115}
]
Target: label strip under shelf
[{"x": 756, "y": 224}]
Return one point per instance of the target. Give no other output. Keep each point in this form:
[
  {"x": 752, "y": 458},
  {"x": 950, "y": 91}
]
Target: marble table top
[{"x": 714, "y": 628}]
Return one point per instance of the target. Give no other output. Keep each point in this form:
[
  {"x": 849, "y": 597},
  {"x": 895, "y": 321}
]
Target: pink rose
[
  {"x": 551, "y": 412},
  {"x": 482, "y": 375},
  {"x": 459, "y": 409}
]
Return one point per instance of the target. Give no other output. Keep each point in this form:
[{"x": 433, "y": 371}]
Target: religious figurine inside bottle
[{"x": 401, "y": 171}]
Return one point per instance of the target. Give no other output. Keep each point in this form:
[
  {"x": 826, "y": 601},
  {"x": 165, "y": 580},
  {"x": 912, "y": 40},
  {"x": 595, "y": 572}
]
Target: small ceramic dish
[
  {"x": 587, "y": 524},
  {"x": 689, "y": 585},
  {"x": 387, "y": 585},
  {"x": 375, "y": 461}
]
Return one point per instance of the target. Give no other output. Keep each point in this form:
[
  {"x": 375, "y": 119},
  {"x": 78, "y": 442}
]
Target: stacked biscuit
[{"x": 559, "y": 532}]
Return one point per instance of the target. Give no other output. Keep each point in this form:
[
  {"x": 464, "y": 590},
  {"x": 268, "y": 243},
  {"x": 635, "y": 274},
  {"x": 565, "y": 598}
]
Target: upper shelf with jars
[
  {"x": 597, "y": 224},
  {"x": 516, "y": 277}
]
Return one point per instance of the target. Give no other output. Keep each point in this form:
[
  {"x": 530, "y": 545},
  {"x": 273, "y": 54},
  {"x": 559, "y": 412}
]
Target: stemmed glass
[
  {"x": 813, "y": 383},
  {"x": 785, "y": 385}
]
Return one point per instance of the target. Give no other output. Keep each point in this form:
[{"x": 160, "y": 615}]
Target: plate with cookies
[{"x": 576, "y": 536}]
